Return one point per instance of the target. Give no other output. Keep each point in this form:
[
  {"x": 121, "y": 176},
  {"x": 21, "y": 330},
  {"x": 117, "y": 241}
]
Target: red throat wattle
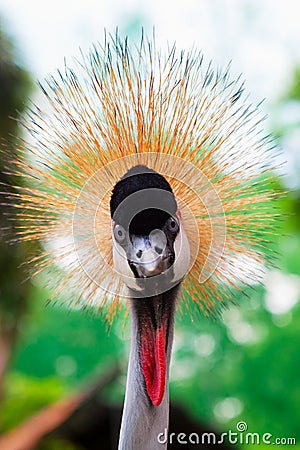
[{"x": 153, "y": 361}]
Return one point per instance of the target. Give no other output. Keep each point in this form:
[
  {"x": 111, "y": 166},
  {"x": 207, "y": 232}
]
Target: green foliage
[
  {"x": 15, "y": 85},
  {"x": 294, "y": 91},
  {"x": 25, "y": 395},
  {"x": 66, "y": 343},
  {"x": 242, "y": 369},
  {"x": 51, "y": 443},
  {"x": 54, "y": 443}
]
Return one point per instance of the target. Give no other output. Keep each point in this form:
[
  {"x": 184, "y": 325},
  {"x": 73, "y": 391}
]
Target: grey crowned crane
[
  {"x": 147, "y": 179},
  {"x": 148, "y": 239}
]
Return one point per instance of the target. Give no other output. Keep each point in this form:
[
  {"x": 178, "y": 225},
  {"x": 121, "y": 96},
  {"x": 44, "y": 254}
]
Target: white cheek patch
[
  {"x": 180, "y": 267},
  {"x": 122, "y": 268},
  {"x": 182, "y": 255}
]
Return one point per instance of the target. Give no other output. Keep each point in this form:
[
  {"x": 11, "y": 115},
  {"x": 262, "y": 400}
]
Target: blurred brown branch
[
  {"x": 89, "y": 422},
  {"x": 27, "y": 435}
]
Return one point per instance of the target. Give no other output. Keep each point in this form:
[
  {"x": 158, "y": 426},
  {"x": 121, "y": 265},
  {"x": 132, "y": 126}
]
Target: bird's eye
[
  {"x": 173, "y": 225},
  {"x": 119, "y": 233}
]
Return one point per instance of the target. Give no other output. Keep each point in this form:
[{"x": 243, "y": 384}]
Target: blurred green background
[{"x": 242, "y": 368}]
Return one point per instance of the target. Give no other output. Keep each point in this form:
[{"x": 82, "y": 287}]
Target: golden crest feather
[{"x": 122, "y": 107}]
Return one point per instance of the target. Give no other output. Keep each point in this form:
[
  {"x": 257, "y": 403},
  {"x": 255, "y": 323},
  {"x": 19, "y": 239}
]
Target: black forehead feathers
[
  {"x": 147, "y": 220},
  {"x": 153, "y": 194}
]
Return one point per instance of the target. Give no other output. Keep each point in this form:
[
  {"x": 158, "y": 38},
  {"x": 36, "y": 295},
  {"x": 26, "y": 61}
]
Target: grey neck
[{"x": 142, "y": 422}]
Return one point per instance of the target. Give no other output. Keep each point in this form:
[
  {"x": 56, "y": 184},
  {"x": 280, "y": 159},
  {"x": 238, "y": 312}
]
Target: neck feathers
[{"x": 142, "y": 422}]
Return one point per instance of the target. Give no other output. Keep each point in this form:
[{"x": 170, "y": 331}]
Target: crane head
[{"x": 150, "y": 248}]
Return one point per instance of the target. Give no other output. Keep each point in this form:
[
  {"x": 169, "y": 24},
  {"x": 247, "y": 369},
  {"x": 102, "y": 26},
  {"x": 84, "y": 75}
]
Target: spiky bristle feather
[{"x": 126, "y": 107}]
